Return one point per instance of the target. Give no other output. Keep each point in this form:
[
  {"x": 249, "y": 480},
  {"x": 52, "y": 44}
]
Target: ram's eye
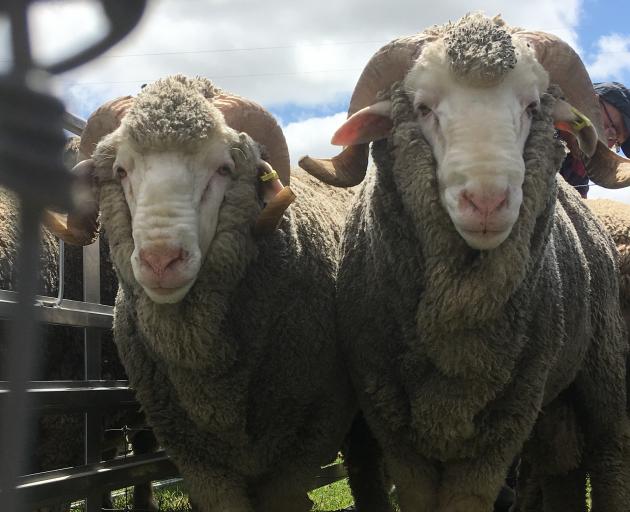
[
  {"x": 532, "y": 108},
  {"x": 120, "y": 172},
  {"x": 423, "y": 110},
  {"x": 224, "y": 170}
]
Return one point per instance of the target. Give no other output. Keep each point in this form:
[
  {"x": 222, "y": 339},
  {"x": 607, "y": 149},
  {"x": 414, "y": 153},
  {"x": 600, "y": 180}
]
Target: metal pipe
[
  {"x": 23, "y": 334},
  {"x": 61, "y": 273},
  {"x": 70, "y": 484},
  {"x": 71, "y": 312},
  {"x": 73, "y": 123},
  {"x": 92, "y": 364}
]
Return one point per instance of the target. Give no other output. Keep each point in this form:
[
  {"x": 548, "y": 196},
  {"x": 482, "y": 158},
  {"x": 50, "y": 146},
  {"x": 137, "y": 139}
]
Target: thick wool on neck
[
  {"x": 473, "y": 285},
  {"x": 475, "y": 297}
]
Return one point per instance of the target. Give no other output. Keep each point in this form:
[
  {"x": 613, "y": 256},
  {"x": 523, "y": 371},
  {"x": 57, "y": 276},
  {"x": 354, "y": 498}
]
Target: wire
[
  {"x": 233, "y": 50},
  {"x": 215, "y": 77},
  {"x": 263, "y": 48},
  {"x": 245, "y": 49}
]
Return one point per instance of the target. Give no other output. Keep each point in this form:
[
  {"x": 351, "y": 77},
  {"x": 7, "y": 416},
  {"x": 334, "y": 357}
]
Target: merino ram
[
  {"x": 476, "y": 292},
  {"x": 224, "y": 324}
]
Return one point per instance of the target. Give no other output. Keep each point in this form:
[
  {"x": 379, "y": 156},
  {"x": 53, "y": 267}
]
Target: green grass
[
  {"x": 331, "y": 497},
  {"x": 174, "y": 498},
  {"x": 169, "y": 499}
]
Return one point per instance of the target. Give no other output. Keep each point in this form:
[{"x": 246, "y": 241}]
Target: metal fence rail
[
  {"x": 72, "y": 484},
  {"x": 68, "y": 312},
  {"x": 54, "y": 397}
]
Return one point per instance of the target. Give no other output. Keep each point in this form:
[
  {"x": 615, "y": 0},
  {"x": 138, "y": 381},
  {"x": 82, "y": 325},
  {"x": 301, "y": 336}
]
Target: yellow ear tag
[
  {"x": 581, "y": 122},
  {"x": 276, "y": 198},
  {"x": 268, "y": 176}
]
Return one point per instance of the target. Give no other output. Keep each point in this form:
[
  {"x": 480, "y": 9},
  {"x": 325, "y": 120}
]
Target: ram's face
[
  {"x": 477, "y": 134},
  {"x": 174, "y": 199}
]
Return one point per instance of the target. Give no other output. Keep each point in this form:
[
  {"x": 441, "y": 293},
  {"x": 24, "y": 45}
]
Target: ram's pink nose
[
  {"x": 484, "y": 204},
  {"x": 161, "y": 258}
]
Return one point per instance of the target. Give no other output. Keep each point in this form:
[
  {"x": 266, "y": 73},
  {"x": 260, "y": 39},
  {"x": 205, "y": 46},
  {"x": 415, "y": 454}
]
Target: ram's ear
[
  {"x": 569, "y": 119},
  {"x": 367, "y": 125}
]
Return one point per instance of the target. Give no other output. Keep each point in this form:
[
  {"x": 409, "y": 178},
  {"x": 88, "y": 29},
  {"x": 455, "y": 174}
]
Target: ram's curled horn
[
  {"x": 344, "y": 170},
  {"x": 80, "y": 227},
  {"x": 103, "y": 122},
  {"x": 390, "y": 64},
  {"x": 607, "y": 168},
  {"x": 246, "y": 116},
  {"x": 566, "y": 69}
]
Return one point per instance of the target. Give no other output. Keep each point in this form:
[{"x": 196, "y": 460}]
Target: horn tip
[{"x": 325, "y": 170}]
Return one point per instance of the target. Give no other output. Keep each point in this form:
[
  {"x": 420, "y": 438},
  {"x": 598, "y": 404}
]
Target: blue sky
[
  {"x": 599, "y": 18},
  {"x": 300, "y": 60}
]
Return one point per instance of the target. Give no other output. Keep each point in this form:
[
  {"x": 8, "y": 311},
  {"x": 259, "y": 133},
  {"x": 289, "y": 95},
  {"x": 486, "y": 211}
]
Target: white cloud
[
  {"x": 312, "y": 137},
  {"x": 619, "y": 194},
  {"x": 277, "y": 51},
  {"x": 612, "y": 59},
  {"x": 59, "y": 28}
]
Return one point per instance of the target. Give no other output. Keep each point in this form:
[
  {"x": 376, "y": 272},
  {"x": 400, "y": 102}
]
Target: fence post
[{"x": 92, "y": 342}]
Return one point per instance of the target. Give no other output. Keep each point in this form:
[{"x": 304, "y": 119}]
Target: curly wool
[
  {"x": 71, "y": 152},
  {"x": 616, "y": 217},
  {"x": 454, "y": 351},
  {"x": 479, "y": 49},
  {"x": 166, "y": 115}
]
